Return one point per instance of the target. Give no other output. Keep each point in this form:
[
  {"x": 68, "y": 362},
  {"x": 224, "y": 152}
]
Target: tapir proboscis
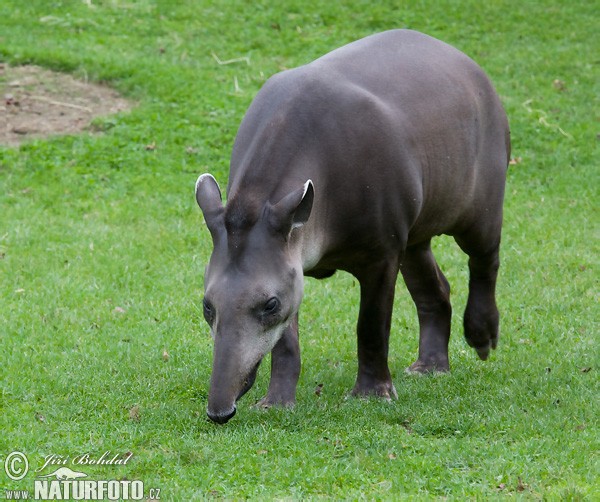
[{"x": 354, "y": 162}]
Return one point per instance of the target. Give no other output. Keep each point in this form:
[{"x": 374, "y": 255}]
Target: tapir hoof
[
  {"x": 269, "y": 401},
  {"x": 221, "y": 418},
  {"x": 385, "y": 390},
  {"x": 483, "y": 351},
  {"x": 481, "y": 332},
  {"x": 423, "y": 367}
]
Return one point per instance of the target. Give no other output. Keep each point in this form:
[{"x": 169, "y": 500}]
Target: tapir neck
[{"x": 277, "y": 158}]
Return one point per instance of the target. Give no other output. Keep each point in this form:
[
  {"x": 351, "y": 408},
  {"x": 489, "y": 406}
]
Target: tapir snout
[{"x": 219, "y": 408}]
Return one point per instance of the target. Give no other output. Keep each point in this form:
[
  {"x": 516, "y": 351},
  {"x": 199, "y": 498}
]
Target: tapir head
[{"x": 253, "y": 283}]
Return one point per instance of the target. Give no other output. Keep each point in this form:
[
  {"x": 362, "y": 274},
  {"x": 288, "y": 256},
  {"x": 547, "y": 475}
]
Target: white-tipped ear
[
  {"x": 208, "y": 196},
  {"x": 293, "y": 210},
  {"x": 208, "y": 193},
  {"x": 303, "y": 210}
]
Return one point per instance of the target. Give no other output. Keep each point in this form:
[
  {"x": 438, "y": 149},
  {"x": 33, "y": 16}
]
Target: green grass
[{"x": 94, "y": 222}]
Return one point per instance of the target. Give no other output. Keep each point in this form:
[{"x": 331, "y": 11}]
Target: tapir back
[{"x": 399, "y": 123}]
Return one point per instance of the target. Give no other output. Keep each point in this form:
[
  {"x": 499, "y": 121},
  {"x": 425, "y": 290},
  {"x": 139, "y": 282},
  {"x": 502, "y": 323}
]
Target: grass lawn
[{"x": 102, "y": 251}]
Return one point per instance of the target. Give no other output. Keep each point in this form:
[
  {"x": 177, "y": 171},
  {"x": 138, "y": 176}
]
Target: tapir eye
[
  {"x": 209, "y": 311},
  {"x": 271, "y": 307}
]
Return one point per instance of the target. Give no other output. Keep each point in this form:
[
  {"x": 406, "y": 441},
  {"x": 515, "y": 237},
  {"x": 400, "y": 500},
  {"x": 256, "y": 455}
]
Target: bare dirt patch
[{"x": 36, "y": 103}]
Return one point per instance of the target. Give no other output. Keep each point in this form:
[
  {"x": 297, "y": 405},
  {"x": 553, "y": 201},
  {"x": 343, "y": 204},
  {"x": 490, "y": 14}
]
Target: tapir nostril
[{"x": 221, "y": 419}]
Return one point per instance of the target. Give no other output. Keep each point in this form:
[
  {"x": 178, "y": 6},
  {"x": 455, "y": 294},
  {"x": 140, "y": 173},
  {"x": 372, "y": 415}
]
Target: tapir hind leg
[
  {"x": 481, "y": 317},
  {"x": 431, "y": 293},
  {"x": 285, "y": 369},
  {"x": 377, "y": 285}
]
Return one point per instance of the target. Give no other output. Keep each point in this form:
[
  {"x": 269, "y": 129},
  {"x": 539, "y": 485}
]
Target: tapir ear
[
  {"x": 293, "y": 210},
  {"x": 208, "y": 196}
]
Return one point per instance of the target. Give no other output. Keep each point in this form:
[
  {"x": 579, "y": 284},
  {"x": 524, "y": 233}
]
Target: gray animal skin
[{"x": 354, "y": 162}]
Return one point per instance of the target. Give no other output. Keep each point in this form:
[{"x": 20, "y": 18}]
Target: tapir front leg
[
  {"x": 285, "y": 369},
  {"x": 377, "y": 285}
]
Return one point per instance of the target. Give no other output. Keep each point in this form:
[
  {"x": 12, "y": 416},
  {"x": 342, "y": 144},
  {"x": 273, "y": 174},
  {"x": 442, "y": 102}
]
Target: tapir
[{"x": 355, "y": 162}]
